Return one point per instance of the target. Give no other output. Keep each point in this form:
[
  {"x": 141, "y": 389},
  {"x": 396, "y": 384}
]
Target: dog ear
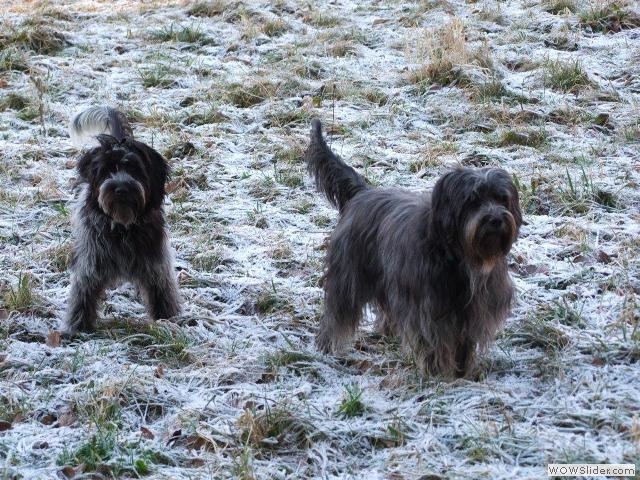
[
  {"x": 514, "y": 204},
  {"x": 514, "y": 197},
  {"x": 448, "y": 193},
  {"x": 84, "y": 165},
  {"x": 157, "y": 171}
]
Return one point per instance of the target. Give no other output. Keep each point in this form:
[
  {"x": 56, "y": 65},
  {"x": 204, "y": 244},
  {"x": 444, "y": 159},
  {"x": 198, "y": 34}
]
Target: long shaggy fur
[
  {"x": 337, "y": 180},
  {"x": 118, "y": 224},
  {"x": 432, "y": 265}
]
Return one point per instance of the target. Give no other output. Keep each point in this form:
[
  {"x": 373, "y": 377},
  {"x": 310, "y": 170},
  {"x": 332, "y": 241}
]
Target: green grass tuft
[
  {"x": 529, "y": 138},
  {"x": 159, "y": 75},
  {"x": 21, "y": 297},
  {"x": 271, "y": 301},
  {"x": 208, "y": 9},
  {"x": 274, "y": 28},
  {"x": 15, "y": 101},
  {"x": 182, "y": 33},
  {"x": 13, "y": 59},
  {"x": 566, "y": 76},
  {"x": 351, "y": 404},
  {"x": 608, "y": 16},
  {"x": 38, "y": 38},
  {"x": 322, "y": 20},
  {"x": 92, "y": 454},
  {"x": 245, "y": 95},
  {"x": 276, "y": 427},
  {"x": 560, "y": 6}
]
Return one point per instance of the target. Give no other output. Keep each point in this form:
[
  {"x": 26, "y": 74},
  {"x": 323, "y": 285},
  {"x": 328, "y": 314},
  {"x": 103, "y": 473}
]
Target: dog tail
[
  {"x": 94, "y": 121},
  {"x": 337, "y": 180}
]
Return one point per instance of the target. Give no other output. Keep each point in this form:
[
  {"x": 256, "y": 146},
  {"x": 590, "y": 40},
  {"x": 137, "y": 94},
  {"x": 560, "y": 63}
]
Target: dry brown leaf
[
  {"x": 66, "y": 419},
  {"x": 48, "y": 419},
  {"x": 159, "y": 373},
  {"x": 146, "y": 433},
  {"x": 53, "y": 339},
  {"x": 69, "y": 472}
]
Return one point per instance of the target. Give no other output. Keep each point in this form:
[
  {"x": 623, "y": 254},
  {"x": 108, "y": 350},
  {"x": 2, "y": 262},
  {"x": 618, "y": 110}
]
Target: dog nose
[{"x": 120, "y": 190}]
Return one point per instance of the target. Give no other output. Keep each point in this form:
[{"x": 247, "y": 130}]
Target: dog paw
[
  {"x": 165, "y": 311},
  {"x": 324, "y": 342},
  {"x": 77, "y": 325}
]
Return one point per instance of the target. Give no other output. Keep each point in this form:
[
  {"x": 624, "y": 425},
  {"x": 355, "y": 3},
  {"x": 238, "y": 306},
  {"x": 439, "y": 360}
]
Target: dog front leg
[
  {"x": 465, "y": 356},
  {"x": 160, "y": 291},
  {"x": 82, "y": 310}
]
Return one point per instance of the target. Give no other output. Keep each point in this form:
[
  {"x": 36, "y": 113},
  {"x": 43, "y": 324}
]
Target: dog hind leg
[
  {"x": 340, "y": 319},
  {"x": 344, "y": 300}
]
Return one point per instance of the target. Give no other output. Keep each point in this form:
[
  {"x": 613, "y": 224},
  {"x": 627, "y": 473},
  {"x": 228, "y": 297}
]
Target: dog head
[
  {"x": 126, "y": 178},
  {"x": 477, "y": 212}
]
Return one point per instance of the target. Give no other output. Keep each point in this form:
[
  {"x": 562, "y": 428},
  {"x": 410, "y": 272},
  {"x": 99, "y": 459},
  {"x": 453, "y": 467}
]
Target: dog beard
[
  {"x": 489, "y": 235},
  {"x": 122, "y": 198}
]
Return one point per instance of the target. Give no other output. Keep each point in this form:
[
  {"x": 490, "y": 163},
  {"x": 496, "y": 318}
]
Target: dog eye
[
  {"x": 130, "y": 158},
  {"x": 103, "y": 171},
  {"x": 503, "y": 198},
  {"x": 474, "y": 198}
]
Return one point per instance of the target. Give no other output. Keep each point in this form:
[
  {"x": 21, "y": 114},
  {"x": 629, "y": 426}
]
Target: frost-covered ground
[{"x": 547, "y": 89}]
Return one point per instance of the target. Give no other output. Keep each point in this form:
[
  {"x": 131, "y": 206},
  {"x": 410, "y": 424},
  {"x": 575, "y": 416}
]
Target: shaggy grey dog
[
  {"x": 433, "y": 266},
  {"x": 119, "y": 225}
]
